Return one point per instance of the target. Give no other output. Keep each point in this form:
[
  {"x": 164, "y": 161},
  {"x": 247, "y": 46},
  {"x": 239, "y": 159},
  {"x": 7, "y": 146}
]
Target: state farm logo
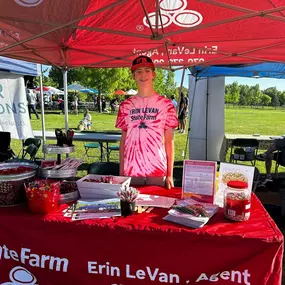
[
  {"x": 21, "y": 276},
  {"x": 29, "y": 3},
  {"x": 174, "y": 11}
]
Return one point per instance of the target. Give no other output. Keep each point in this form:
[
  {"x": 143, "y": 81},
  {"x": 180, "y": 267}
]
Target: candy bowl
[
  {"x": 43, "y": 196},
  {"x": 12, "y": 178},
  {"x": 68, "y": 192}
]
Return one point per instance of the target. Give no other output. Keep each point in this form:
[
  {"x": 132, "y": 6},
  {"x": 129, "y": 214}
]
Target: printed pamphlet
[
  {"x": 191, "y": 213},
  {"x": 199, "y": 179},
  {"x": 154, "y": 201},
  {"x": 94, "y": 209}
]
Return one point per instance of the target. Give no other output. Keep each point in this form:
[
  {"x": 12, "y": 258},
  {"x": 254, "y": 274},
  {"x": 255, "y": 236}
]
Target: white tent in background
[
  {"x": 131, "y": 92},
  {"x": 54, "y": 90}
]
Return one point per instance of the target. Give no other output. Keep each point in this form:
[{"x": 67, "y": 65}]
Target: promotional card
[{"x": 199, "y": 178}]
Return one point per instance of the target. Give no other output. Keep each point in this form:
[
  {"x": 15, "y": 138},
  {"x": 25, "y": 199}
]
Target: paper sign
[
  {"x": 13, "y": 106},
  {"x": 199, "y": 178},
  {"x": 230, "y": 172}
]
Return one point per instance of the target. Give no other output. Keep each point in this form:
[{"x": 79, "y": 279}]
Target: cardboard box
[{"x": 99, "y": 190}]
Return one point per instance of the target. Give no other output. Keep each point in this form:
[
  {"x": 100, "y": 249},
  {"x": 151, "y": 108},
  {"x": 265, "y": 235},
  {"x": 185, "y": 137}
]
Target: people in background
[
  {"x": 113, "y": 105},
  {"x": 173, "y": 101},
  {"x": 95, "y": 102},
  {"x": 147, "y": 121},
  {"x": 275, "y": 152},
  {"x": 85, "y": 123},
  {"x": 103, "y": 100},
  {"x": 32, "y": 101},
  {"x": 87, "y": 119},
  {"x": 182, "y": 113},
  {"x": 61, "y": 105},
  {"x": 54, "y": 101},
  {"x": 186, "y": 102},
  {"x": 75, "y": 105}
]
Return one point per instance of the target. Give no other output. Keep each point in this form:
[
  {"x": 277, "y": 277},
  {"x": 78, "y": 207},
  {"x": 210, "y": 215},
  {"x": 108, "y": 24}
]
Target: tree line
[
  {"x": 245, "y": 95},
  {"x": 108, "y": 80}
]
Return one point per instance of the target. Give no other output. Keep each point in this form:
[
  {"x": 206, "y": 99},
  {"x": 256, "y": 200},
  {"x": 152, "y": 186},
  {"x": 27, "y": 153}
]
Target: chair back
[
  {"x": 5, "y": 151},
  {"x": 5, "y": 140},
  {"x": 243, "y": 149},
  {"x": 34, "y": 141},
  {"x": 31, "y": 147},
  {"x": 245, "y": 143},
  {"x": 104, "y": 168}
]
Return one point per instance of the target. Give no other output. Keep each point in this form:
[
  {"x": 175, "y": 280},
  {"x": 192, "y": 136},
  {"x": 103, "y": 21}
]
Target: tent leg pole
[
  {"x": 65, "y": 101},
  {"x": 207, "y": 110},
  {"x": 190, "y": 108},
  {"x": 42, "y": 108},
  {"x": 64, "y": 72}
]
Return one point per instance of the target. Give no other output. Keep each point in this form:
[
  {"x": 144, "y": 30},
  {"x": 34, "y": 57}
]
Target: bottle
[{"x": 237, "y": 201}]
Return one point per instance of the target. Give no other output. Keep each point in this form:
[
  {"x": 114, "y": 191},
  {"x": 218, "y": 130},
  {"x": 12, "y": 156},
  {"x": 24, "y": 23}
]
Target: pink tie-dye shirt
[{"x": 145, "y": 120}]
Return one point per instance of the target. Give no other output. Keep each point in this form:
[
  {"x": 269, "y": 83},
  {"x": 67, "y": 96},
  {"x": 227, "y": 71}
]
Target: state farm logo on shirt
[
  {"x": 29, "y": 3},
  {"x": 21, "y": 276},
  {"x": 174, "y": 11}
]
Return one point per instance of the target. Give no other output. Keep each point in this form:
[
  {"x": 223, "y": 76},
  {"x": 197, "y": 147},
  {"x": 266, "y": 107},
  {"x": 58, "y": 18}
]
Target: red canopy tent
[
  {"x": 44, "y": 89},
  {"x": 173, "y": 32},
  {"x": 111, "y": 33},
  {"x": 181, "y": 33},
  {"x": 120, "y": 92}
]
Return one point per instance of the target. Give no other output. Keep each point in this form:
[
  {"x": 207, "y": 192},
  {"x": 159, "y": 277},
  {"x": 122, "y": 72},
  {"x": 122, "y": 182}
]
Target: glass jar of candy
[{"x": 237, "y": 201}]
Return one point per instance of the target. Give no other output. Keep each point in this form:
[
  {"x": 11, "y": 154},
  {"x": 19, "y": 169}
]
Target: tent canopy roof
[
  {"x": 18, "y": 66},
  {"x": 271, "y": 70},
  {"x": 110, "y": 33}
]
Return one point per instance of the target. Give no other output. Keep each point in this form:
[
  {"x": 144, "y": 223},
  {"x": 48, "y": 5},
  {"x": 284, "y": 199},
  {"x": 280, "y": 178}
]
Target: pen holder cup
[{"x": 127, "y": 208}]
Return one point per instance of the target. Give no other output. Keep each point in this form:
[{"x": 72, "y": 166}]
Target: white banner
[{"x": 14, "y": 115}]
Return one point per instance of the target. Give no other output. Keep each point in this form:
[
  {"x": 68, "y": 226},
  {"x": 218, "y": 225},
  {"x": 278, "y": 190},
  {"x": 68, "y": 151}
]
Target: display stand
[
  {"x": 59, "y": 150},
  {"x": 62, "y": 170}
]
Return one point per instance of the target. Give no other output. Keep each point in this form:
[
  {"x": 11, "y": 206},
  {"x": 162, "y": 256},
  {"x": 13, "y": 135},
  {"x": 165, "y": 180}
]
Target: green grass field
[
  {"x": 100, "y": 122},
  {"x": 252, "y": 121},
  {"x": 255, "y": 121},
  {"x": 237, "y": 121}
]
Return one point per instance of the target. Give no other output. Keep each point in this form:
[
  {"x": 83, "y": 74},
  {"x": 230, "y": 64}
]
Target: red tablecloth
[{"x": 140, "y": 249}]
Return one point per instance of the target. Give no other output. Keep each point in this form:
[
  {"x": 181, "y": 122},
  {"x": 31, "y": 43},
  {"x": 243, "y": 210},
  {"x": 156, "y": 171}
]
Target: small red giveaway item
[{"x": 43, "y": 196}]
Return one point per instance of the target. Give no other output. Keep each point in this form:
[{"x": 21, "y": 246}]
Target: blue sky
[{"x": 263, "y": 82}]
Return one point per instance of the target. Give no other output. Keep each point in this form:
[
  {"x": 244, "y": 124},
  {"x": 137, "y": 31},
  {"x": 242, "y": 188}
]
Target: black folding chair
[
  {"x": 243, "y": 150},
  {"x": 104, "y": 168},
  {"x": 30, "y": 147},
  {"x": 5, "y": 151},
  {"x": 279, "y": 162}
]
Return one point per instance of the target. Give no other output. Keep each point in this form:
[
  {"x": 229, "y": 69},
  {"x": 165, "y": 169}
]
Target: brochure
[
  {"x": 199, "y": 178},
  {"x": 154, "y": 201},
  {"x": 107, "y": 205},
  {"x": 94, "y": 209},
  {"x": 191, "y": 213},
  {"x": 86, "y": 216},
  {"x": 230, "y": 172}
]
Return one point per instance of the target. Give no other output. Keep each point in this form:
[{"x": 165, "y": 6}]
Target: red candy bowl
[
  {"x": 43, "y": 196},
  {"x": 12, "y": 178}
]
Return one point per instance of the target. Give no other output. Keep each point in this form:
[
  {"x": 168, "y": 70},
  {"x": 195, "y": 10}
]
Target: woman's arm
[
  {"x": 169, "y": 149},
  {"x": 122, "y": 150}
]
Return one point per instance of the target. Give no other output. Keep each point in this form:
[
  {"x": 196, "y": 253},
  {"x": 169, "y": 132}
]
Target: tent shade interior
[{"x": 174, "y": 33}]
